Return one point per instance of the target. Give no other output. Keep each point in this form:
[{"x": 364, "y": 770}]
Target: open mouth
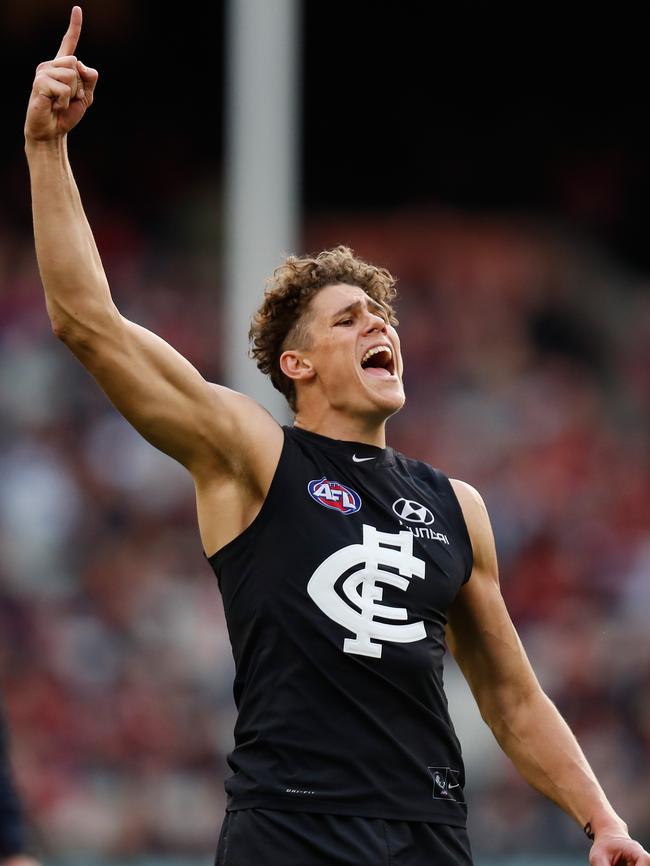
[{"x": 378, "y": 362}]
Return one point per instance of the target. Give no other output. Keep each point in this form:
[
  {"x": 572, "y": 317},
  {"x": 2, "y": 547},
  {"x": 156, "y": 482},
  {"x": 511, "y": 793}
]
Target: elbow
[
  {"x": 78, "y": 334},
  {"x": 60, "y": 329},
  {"x": 507, "y": 707},
  {"x": 79, "y": 340},
  {"x": 66, "y": 331}
]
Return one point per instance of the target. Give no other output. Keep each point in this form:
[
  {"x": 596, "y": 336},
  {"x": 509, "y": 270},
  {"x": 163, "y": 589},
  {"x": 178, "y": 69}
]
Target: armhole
[
  {"x": 461, "y": 522},
  {"x": 260, "y": 518}
]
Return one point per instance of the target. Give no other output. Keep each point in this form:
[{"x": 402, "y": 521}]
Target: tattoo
[{"x": 588, "y": 831}]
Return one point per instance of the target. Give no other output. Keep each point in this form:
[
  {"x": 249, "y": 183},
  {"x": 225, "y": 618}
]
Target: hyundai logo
[{"x": 413, "y": 512}]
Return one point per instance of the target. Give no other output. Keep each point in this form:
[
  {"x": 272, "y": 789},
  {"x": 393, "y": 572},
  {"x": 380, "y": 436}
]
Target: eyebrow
[{"x": 354, "y": 306}]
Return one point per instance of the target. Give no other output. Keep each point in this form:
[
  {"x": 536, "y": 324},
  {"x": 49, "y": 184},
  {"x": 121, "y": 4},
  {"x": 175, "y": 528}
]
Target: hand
[
  {"x": 617, "y": 849},
  {"x": 62, "y": 90}
]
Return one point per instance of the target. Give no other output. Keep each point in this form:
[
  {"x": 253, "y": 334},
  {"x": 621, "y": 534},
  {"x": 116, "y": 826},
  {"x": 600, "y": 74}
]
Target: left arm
[{"x": 525, "y": 722}]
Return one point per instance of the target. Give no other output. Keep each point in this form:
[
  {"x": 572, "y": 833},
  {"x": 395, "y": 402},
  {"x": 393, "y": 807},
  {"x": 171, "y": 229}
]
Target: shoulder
[
  {"x": 477, "y": 521},
  {"x": 470, "y": 500},
  {"x": 255, "y": 437},
  {"x": 238, "y": 403},
  {"x": 244, "y": 411}
]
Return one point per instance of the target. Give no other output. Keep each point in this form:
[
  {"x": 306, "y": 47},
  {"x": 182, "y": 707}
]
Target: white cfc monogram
[{"x": 386, "y": 549}]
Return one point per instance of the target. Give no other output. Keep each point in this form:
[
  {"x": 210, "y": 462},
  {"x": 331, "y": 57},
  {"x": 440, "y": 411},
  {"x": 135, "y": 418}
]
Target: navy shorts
[{"x": 265, "y": 837}]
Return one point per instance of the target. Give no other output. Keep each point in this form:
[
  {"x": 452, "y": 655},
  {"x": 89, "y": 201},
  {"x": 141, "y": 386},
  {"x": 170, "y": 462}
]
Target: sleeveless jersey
[{"x": 335, "y": 599}]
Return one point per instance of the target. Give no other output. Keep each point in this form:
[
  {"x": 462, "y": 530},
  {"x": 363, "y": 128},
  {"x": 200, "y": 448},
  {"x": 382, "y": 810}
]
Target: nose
[{"x": 375, "y": 322}]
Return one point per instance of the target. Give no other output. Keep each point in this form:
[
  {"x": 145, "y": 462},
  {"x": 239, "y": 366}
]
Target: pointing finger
[{"x": 71, "y": 38}]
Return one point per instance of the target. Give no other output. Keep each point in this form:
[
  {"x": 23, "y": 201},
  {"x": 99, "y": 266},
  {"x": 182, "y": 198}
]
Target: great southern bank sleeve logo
[
  {"x": 334, "y": 495},
  {"x": 362, "y": 563}
]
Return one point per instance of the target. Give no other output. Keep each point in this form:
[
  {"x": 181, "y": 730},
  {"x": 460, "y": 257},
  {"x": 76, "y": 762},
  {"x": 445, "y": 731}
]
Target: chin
[
  {"x": 398, "y": 404},
  {"x": 389, "y": 404}
]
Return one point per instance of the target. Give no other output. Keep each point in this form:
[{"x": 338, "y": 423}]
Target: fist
[{"x": 62, "y": 90}]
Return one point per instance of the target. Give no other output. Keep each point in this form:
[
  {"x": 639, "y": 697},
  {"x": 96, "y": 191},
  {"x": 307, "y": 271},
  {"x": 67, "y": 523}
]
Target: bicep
[
  {"x": 485, "y": 643},
  {"x": 163, "y": 395},
  {"x": 480, "y": 631}
]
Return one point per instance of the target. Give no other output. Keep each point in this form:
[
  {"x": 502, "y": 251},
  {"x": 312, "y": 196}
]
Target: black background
[{"x": 403, "y": 104}]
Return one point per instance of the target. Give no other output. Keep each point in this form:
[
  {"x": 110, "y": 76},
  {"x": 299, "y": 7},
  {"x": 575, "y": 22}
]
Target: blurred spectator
[{"x": 12, "y": 833}]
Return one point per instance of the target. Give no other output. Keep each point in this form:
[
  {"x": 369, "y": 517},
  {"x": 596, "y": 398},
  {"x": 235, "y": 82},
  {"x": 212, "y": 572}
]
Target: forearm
[
  {"x": 541, "y": 745},
  {"x": 76, "y": 289}
]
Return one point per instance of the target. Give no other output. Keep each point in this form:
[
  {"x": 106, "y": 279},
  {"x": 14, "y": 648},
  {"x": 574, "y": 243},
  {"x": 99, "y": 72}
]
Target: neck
[{"x": 349, "y": 429}]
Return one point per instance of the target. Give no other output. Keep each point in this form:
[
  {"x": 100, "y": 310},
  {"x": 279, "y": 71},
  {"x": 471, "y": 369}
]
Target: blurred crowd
[{"x": 527, "y": 355}]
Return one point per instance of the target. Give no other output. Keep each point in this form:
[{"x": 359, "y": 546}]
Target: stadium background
[{"x": 511, "y": 204}]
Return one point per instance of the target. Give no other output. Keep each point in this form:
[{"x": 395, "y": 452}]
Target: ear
[{"x": 296, "y": 366}]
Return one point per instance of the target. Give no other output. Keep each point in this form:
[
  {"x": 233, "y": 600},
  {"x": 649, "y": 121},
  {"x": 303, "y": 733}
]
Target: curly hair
[{"x": 280, "y": 322}]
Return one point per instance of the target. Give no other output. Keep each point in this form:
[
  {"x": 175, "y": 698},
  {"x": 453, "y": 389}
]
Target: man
[
  {"x": 340, "y": 561},
  {"x": 12, "y": 835}
]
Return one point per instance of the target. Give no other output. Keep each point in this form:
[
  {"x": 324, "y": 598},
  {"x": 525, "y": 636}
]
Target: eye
[{"x": 345, "y": 322}]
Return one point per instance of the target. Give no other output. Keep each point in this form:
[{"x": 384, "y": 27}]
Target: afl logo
[
  {"x": 413, "y": 512},
  {"x": 331, "y": 494}
]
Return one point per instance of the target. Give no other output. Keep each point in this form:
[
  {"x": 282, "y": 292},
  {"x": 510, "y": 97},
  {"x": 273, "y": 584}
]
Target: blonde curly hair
[{"x": 280, "y": 323}]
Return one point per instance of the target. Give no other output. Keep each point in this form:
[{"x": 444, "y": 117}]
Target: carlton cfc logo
[{"x": 331, "y": 494}]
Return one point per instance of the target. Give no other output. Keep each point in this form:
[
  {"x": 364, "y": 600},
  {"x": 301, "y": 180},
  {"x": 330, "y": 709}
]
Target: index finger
[{"x": 69, "y": 41}]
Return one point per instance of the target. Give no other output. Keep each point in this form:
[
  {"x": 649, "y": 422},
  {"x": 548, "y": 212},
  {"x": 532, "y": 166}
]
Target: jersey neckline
[{"x": 360, "y": 453}]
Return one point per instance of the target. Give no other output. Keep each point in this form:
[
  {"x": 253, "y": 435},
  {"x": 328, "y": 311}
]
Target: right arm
[{"x": 212, "y": 430}]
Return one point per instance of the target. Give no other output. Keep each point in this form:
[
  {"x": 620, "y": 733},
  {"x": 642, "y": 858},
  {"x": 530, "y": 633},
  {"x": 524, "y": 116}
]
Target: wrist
[
  {"x": 52, "y": 147},
  {"x": 605, "y": 824}
]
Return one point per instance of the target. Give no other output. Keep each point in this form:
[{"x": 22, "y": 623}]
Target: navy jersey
[{"x": 335, "y": 600}]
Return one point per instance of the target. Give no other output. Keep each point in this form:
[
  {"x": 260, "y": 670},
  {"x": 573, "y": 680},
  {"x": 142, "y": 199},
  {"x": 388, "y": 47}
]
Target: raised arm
[
  {"x": 527, "y": 725},
  {"x": 210, "y": 429}
]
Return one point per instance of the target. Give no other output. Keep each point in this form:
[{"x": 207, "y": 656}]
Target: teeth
[{"x": 374, "y": 351}]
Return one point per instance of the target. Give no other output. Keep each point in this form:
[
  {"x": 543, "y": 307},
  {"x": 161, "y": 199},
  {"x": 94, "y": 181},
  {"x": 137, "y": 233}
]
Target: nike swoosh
[
  {"x": 454, "y": 786},
  {"x": 361, "y": 459}
]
